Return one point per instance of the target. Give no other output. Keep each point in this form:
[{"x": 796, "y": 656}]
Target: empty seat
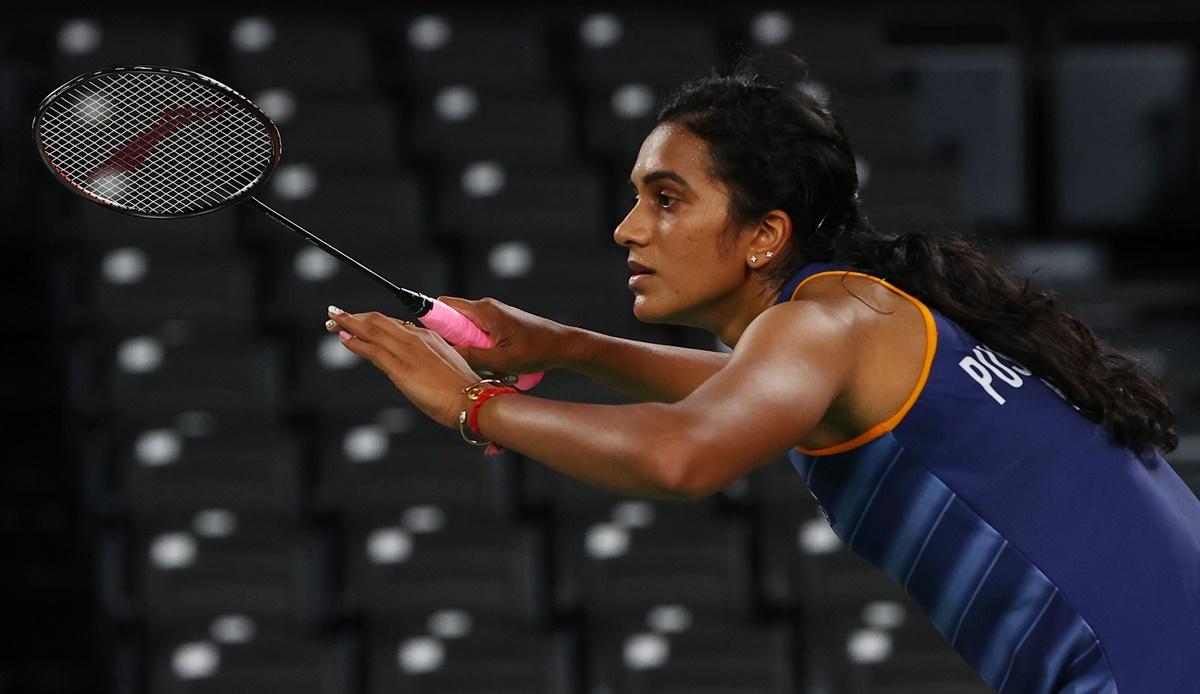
[
  {"x": 458, "y": 124},
  {"x": 618, "y": 120},
  {"x": 425, "y": 558},
  {"x": 244, "y": 470},
  {"x": 494, "y": 53},
  {"x": 844, "y": 52},
  {"x": 236, "y": 653},
  {"x": 403, "y": 459},
  {"x": 205, "y": 236},
  {"x": 137, "y": 288},
  {"x": 350, "y": 211},
  {"x": 456, "y": 652},
  {"x": 156, "y": 375},
  {"x": 1061, "y": 265},
  {"x": 87, "y": 44},
  {"x": 1114, "y": 157},
  {"x": 306, "y": 56},
  {"x": 614, "y": 49},
  {"x": 900, "y": 199},
  {"x": 880, "y": 127},
  {"x": 582, "y": 287},
  {"x": 491, "y": 200},
  {"x": 306, "y": 282},
  {"x": 211, "y": 564},
  {"x": 350, "y": 135},
  {"x": 673, "y": 650},
  {"x": 970, "y": 99},
  {"x": 806, "y": 565},
  {"x": 641, "y": 555},
  {"x": 883, "y": 640}
]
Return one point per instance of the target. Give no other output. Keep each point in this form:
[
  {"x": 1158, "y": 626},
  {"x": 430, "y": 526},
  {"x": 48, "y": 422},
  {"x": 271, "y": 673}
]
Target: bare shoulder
[
  {"x": 802, "y": 318},
  {"x": 884, "y": 340},
  {"x": 800, "y": 344},
  {"x": 834, "y": 310}
]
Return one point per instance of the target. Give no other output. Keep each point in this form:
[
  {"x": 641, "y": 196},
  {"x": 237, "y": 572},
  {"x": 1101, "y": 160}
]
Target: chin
[{"x": 646, "y": 312}]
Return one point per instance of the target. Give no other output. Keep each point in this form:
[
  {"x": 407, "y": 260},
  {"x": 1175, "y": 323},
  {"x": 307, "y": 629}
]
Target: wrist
[
  {"x": 477, "y": 395},
  {"x": 577, "y": 348}
]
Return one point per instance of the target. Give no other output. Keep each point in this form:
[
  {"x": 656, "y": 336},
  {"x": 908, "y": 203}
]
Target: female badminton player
[{"x": 960, "y": 430}]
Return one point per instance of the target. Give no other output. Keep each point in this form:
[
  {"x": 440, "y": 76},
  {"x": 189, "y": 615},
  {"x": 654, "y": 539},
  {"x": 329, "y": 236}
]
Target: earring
[
  {"x": 754, "y": 259},
  {"x": 770, "y": 254}
]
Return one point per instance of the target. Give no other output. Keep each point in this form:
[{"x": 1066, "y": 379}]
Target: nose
[{"x": 631, "y": 230}]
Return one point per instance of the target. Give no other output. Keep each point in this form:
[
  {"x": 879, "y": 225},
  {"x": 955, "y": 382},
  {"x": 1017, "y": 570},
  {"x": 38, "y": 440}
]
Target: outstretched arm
[
  {"x": 524, "y": 343},
  {"x": 642, "y": 370},
  {"x": 789, "y": 366}
]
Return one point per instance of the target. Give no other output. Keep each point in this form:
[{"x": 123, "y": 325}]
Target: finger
[
  {"x": 468, "y": 308},
  {"x": 383, "y": 360},
  {"x": 371, "y": 327}
]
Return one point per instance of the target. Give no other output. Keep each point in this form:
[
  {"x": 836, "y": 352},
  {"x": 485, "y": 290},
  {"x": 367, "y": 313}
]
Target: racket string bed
[{"x": 155, "y": 144}]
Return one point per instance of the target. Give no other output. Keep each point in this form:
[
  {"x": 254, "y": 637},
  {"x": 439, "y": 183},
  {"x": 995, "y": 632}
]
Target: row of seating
[
  {"x": 903, "y": 103},
  {"x": 633, "y": 596}
]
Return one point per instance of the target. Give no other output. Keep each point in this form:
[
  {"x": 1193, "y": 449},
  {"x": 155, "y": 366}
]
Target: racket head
[{"x": 153, "y": 141}]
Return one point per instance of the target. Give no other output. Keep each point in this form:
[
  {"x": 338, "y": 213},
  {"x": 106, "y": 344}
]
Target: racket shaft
[
  {"x": 417, "y": 303},
  {"x": 456, "y": 328}
]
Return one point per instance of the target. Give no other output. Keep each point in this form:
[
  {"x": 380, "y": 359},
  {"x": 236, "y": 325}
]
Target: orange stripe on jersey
[{"x": 930, "y": 348}]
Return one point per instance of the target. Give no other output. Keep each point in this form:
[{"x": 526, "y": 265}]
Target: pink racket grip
[{"x": 459, "y": 330}]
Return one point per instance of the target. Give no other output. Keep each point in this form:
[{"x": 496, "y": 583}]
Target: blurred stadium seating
[{"x": 260, "y": 511}]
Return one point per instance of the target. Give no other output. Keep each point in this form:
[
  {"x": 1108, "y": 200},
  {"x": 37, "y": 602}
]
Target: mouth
[
  {"x": 639, "y": 269},
  {"x": 640, "y": 273}
]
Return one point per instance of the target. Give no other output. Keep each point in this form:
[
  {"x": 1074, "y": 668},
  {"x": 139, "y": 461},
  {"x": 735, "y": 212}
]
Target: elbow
[{"x": 678, "y": 474}]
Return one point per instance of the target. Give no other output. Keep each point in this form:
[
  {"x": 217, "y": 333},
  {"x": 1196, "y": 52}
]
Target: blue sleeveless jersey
[{"x": 1050, "y": 558}]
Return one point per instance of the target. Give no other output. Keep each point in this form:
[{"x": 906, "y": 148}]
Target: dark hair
[{"x": 776, "y": 147}]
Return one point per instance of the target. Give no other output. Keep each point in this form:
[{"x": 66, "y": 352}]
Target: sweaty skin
[{"x": 816, "y": 371}]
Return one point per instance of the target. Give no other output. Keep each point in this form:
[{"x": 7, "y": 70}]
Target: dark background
[{"x": 1061, "y": 136}]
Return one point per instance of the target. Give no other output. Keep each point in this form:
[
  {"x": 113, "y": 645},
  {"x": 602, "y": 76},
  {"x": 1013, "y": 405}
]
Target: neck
[{"x": 735, "y": 312}]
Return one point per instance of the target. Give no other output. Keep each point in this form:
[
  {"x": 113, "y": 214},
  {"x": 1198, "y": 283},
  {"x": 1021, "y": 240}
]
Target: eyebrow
[{"x": 661, "y": 174}]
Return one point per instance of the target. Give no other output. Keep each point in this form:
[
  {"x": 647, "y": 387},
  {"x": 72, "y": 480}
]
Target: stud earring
[
  {"x": 754, "y": 259},
  {"x": 770, "y": 254}
]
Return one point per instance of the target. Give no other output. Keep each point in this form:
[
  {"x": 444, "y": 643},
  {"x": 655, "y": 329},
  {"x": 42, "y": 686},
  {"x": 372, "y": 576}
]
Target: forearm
[
  {"x": 645, "y": 371},
  {"x": 623, "y": 448}
]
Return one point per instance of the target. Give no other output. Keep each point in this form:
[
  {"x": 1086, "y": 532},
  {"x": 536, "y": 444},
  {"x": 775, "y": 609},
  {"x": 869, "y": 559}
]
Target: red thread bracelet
[{"x": 485, "y": 395}]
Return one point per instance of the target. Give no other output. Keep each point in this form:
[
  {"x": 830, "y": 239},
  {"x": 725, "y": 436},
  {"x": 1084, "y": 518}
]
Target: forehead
[{"x": 672, "y": 147}]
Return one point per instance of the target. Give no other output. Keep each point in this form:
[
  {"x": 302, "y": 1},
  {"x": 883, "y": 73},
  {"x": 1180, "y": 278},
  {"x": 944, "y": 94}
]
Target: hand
[
  {"x": 521, "y": 342},
  {"x": 418, "y": 361}
]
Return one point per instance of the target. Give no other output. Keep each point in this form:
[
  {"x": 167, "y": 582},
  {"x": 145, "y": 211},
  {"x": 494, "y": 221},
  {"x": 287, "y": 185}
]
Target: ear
[{"x": 772, "y": 235}]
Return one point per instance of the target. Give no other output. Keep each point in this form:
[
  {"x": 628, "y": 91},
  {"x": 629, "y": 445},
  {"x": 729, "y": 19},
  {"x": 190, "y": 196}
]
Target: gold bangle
[
  {"x": 462, "y": 419},
  {"x": 472, "y": 391}
]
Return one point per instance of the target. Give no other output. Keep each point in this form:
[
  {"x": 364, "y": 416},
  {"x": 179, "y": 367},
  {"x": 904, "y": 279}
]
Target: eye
[{"x": 665, "y": 200}]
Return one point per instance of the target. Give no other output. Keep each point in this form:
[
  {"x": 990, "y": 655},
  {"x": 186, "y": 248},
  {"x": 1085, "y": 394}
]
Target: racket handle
[{"x": 459, "y": 330}]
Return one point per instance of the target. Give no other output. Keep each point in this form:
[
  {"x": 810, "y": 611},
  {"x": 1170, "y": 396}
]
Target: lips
[{"x": 639, "y": 269}]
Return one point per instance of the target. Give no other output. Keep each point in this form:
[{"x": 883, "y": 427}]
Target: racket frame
[{"x": 247, "y": 104}]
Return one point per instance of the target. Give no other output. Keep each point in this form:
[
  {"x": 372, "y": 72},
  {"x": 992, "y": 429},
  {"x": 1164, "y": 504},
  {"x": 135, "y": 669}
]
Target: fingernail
[
  {"x": 330, "y": 324},
  {"x": 335, "y": 311},
  {"x": 344, "y": 335}
]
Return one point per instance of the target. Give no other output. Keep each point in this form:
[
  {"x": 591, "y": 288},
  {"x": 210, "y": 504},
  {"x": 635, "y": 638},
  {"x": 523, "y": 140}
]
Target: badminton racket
[{"x": 165, "y": 143}]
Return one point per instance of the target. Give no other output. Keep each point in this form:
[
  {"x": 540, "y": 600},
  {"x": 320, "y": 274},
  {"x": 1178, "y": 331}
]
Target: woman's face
[{"x": 676, "y": 230}]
